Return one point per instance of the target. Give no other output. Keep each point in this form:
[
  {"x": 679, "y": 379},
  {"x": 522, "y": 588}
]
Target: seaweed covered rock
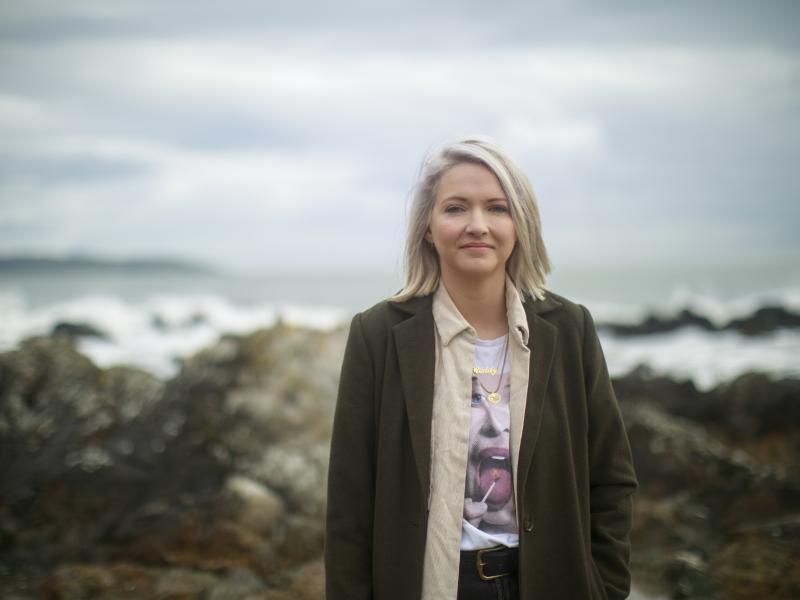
[
  {"x": 210, "y": 482},
  {"x": 753, "y": 413},
  {"x": 704, "y": 495}
]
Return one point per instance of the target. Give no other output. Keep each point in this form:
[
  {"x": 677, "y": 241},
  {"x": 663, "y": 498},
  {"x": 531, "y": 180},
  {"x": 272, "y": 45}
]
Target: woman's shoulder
[
  {"x": 560, "y": 310},
  {"x": 383, "y": 315},
  {"x": 549, "y": 302}
]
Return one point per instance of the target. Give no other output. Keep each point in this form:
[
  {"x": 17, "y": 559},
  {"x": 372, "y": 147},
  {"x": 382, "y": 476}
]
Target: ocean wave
[
  {"x": 707, "y": 359},
  {"x": 155, "y": 333}
]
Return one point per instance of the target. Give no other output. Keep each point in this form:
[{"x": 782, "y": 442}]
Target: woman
[{"x": 478, "y": 449}]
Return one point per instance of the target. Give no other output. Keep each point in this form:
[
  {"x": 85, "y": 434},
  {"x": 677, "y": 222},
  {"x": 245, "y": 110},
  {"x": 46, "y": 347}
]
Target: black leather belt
[{"x": 489, "y": 563}]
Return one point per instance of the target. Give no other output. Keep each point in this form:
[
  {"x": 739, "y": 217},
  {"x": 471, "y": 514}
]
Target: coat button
[{"x": 527, "y": 524}]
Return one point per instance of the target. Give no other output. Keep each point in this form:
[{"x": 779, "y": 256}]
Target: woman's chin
[
  {"x": 478, "y": 270},
  {"x": 502, "y": 517}
]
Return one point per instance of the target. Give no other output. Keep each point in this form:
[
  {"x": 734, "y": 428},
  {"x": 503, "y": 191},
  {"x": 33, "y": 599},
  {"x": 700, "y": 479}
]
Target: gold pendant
[
  {"x": 494, "y": 397},
  {"x": 484, "y": 370}
]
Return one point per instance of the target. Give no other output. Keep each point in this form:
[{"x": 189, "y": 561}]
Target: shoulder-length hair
[{"x": 528, "y": 264}]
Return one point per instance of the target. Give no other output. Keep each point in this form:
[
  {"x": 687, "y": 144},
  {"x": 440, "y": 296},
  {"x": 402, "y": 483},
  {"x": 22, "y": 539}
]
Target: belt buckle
[{"x": 482, "y": 564}]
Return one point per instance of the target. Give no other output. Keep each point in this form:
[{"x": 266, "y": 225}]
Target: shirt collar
[{"x": 450, "y": 322}]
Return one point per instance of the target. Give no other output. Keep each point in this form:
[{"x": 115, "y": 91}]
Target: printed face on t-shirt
[{"x": 489, "y": 493}]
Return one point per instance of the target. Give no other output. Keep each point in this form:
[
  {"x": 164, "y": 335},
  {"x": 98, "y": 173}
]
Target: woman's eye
[
  {"x": 452, "y": 208},
  {"x": 500, "y": 208}
]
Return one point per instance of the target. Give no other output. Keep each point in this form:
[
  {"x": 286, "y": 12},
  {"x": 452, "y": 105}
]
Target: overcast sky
[{"x": 259, "y": 137}]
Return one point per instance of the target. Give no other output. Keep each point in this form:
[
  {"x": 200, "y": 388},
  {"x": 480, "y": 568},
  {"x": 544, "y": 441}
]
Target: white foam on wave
[
  {"x": 706, "y": 358},
  {"x": 721, "y": 312},
  {"x": 154, "y": 333}
]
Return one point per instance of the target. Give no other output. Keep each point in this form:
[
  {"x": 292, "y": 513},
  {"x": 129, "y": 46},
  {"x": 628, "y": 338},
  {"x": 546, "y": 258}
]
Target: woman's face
[{"x": 471, "y": 224}]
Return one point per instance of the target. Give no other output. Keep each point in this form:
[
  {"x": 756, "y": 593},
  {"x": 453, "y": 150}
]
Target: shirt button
[{"x": 527, "y": 524}]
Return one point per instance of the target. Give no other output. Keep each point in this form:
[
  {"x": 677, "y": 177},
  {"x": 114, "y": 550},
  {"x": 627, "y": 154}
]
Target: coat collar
[
  {"x": 414, "y": 339},
  {"x": 532, "y": 306},
  {"x": 450, "y": 322}
]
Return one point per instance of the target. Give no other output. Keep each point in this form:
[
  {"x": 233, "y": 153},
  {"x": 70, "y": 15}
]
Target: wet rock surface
[
  {"x": 77, "y": 330},
  {"x": 211, "y": 485},
  {"x": 718, "y": 510},
  {"x": 118, "y": 485},
  {"x": 762, "y": 321}
]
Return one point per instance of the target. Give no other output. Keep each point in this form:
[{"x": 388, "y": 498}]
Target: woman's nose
[
  {"x": 476, "y": 222},
  {"x": 491, "y": 426}
]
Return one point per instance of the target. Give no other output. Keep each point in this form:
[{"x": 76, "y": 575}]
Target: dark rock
[
  {"x": 749, "y": 406},
  {"x": 77, "y": 330},
  {"x": 76, "y": 582},
  {"x": 764, "y": 320},
  {"x": 653, "y": 324},
  {"x": 120, "y": 581},
  {"x": 694, "y": 492},
  {"x": 708, "y": 463},
  {"x": 753, "y": 413},
  {"x": 114, "y": 480},
  {"x": 754, "y": 404},
  {"x": 760, "y": 561},
  {"x": 681, "y": 398},
  {"x": 160, "y": 323},
  {"x": 674, "y": 456},
  {"x": 687, "y": 576}
]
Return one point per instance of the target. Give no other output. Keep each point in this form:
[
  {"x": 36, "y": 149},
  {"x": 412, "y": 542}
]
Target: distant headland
[{"x": 87, "y": 264}]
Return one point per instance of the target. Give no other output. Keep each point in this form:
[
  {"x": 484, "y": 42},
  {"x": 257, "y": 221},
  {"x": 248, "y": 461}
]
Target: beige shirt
[{"x": 455, "y": 349}]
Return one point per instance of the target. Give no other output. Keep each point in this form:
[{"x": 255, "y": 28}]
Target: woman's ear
[{"x": 428, "y": 236}]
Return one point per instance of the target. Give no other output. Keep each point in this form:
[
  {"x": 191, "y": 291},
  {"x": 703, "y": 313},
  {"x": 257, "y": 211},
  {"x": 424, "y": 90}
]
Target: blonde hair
[{"x": 528, "y": 264}]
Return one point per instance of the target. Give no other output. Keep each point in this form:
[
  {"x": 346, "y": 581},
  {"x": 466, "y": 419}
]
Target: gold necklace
[
  {"x": 487, "y": 370},
  {"x": 493, "y": 395}
]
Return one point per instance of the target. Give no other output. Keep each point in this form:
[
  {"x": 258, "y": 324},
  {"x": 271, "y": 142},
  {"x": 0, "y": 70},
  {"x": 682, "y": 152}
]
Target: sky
[{"x": 268, "y": 137}]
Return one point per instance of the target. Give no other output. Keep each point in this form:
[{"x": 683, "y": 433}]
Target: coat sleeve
[
  {"x": 351, "y": 476},
  {"x": 612, "y": 478}
]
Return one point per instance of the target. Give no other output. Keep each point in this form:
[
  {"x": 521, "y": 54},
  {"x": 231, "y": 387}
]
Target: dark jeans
[
  {"x": 504, "y": 588},
  {"x": 472, "y": 587}
]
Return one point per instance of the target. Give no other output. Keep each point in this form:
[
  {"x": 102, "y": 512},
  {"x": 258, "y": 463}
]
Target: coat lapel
[
  {"x": 415, "y": 345},
  {"x": 542, "y": 342}
]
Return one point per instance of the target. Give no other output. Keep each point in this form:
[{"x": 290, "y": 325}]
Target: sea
[{"x": 152, "y": 318}]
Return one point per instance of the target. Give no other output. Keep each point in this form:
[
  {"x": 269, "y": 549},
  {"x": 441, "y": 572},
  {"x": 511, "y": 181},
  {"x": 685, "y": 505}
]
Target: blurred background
[{"x": 196, "y": 197}]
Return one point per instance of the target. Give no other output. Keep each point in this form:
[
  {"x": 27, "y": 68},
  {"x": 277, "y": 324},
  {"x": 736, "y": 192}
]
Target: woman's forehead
[{"x": 469, "y": 180}]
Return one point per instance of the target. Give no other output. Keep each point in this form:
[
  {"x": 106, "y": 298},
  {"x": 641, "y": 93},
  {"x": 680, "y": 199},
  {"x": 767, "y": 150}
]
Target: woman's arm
[
  {"x": 612, "y": 478},
  {"x": 351, "y": 477}
]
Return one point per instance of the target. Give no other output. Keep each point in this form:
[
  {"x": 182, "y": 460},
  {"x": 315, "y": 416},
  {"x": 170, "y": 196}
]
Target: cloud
[{"x": 131, "y": 118}]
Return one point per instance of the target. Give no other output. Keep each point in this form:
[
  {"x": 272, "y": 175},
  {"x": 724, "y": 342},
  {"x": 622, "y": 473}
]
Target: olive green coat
[{"x": 575, "y": 475}]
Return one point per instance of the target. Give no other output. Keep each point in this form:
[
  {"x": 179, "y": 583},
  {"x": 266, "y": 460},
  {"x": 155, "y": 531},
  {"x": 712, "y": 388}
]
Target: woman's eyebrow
[{"x": 462, "y": 199}]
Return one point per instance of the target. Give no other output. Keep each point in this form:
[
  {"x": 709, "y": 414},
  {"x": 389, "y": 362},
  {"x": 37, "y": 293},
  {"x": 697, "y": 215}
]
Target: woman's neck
[{"x": 482, "y": 303}]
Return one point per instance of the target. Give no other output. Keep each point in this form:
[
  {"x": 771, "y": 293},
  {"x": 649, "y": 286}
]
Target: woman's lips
[
  {"x": 494, "y": 477},
  {"x": 493, "y": 452}
]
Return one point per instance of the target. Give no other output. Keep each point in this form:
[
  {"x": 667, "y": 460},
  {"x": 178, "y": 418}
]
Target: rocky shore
[
  {"x": 765, "y": 319},
  {"x": 718, "y": 510},
  {"x": 211, "y": 485}
]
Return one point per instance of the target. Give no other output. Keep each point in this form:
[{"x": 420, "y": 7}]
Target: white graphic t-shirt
[{"x": 490, "y": 517}]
